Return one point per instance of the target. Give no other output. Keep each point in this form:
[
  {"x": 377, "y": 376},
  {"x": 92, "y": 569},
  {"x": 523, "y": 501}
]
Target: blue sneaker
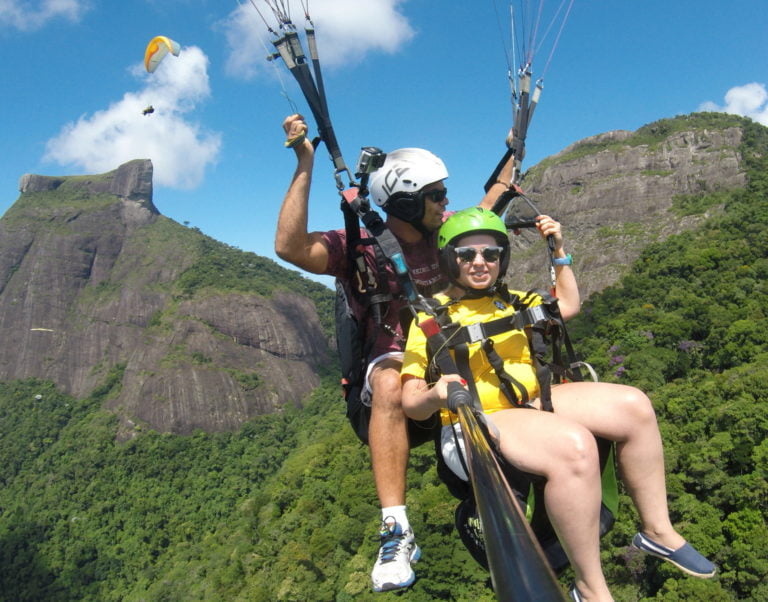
[
  {"x": 398, "y": 550},
  {"x": 686, "y": 558}
]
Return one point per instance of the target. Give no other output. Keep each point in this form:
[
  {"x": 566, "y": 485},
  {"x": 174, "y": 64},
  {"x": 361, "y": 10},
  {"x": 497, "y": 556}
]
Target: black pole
[{"x": 519, "y": 569}]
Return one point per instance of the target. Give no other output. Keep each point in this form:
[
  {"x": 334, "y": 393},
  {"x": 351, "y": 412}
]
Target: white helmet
[{"x": 396, "y": 184}]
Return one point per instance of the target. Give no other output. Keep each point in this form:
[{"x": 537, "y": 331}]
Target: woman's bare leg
[
  {"x": 625, "y": 415},
  {"x": 566, "y": 454}
]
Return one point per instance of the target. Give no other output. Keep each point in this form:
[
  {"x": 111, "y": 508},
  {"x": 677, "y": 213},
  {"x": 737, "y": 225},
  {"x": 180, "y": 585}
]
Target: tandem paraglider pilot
[{"x": 410, "y": 188}]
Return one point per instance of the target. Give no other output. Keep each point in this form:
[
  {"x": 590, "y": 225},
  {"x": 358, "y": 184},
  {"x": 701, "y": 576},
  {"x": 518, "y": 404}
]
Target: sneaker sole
[{"x": 388, "y": 587}]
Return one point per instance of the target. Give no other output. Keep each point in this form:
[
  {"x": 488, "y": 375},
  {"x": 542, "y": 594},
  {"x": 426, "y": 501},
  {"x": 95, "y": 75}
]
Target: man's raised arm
[{"x": 293, "y": 242}]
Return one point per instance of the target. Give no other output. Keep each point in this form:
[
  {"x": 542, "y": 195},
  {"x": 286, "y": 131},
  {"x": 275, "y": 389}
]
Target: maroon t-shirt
[{"x": 421, "y": 257}]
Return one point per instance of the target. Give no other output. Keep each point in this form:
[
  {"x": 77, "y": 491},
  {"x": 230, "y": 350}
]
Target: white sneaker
[{"x": 398, "y": 550}]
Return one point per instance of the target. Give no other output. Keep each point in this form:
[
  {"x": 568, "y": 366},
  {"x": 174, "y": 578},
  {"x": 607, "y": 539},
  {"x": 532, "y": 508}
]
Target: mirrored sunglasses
[{"x": 468, "y": 254}]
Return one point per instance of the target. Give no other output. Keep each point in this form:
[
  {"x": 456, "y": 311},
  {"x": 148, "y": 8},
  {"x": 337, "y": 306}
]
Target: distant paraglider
[{"x": 156, "y": 51}]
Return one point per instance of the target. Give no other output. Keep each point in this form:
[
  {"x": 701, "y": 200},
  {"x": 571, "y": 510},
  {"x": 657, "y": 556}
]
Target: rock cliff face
[
  {"x": 92, "y": 276},
  {"x": 613, "y": 194},
  {"x": 87, "y": 290}
]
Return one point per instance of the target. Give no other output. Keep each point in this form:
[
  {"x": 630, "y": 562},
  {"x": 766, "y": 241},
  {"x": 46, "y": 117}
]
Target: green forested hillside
[
  {"x": 689, "y": 325},
  {"x": 285, "y": 509},
  {"x": 221, "y": 267}
]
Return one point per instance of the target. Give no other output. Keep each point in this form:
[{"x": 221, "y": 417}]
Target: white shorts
[
  {"x": 365, "y": 395},
  {"x": 452, "y": 446}
]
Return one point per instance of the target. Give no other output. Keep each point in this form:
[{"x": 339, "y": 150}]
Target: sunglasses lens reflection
[{"x": 468, "y": 254}]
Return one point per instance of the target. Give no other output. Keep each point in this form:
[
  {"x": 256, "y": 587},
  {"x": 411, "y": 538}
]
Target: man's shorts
[
  {"x": 452, "y": 446},
  {"x": 453, "y": 451},
  {"x": 359, "y": 409}
]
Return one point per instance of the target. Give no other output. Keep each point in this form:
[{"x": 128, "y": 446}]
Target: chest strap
[
  {"x": 458, "y": 338},
  {"x": 481, "y": 331}
]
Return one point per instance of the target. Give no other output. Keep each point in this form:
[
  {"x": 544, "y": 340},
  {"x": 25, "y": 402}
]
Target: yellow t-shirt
[{"x": 512, "y": 347}]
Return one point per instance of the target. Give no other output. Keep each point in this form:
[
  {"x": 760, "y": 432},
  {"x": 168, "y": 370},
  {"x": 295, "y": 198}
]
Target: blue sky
[{"x": 428, "y": 73}]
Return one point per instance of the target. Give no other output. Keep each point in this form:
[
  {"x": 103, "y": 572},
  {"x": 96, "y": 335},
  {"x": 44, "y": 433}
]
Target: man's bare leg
[{"x": 388, "y": 440}]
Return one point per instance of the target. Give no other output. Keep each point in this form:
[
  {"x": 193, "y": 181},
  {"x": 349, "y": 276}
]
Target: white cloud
[
  {"x": 29, "y": 15},
  {"x": 749, "y": 100},
  {"x": 179, "y": 148},
  {"x": 346, "y": 31}
]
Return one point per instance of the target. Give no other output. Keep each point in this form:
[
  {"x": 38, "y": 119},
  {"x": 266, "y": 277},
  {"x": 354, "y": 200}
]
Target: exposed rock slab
[
  {"x": 87, "y": 273},
  {"x": 612, "y": 202}
]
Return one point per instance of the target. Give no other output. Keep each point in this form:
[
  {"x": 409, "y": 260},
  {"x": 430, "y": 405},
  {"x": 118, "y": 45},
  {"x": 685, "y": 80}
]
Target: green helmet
[{"x": 474, "y": 220}]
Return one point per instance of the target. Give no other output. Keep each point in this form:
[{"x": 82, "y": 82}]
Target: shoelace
[{"x": 391, "y": 543}]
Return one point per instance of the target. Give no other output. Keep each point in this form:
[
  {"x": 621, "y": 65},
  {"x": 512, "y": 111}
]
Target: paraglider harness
[
  {"x": 545, "y": 329},
  {"x": 369, "y": 287},
  {"x": 448, "y": 351}
]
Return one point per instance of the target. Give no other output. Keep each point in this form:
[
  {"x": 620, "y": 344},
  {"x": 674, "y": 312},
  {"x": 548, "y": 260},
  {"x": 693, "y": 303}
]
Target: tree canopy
[{"x": 285, "y": 509}]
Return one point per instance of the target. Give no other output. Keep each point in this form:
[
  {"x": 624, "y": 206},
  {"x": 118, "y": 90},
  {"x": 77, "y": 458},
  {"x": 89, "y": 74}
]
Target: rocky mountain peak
[
  {"x": 97, "y": 288},
  {"x": 615, "y": 193},
  {"x": 131, "y": 182}
]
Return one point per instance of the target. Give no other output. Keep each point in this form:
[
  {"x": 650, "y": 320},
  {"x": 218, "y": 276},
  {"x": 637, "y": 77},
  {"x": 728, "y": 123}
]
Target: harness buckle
[
  {"x": 475, "y": 332},
  {"x": 536, "y": 314}
]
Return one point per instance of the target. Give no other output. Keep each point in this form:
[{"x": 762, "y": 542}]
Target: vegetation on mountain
[
  {"x": 284, "y": 509},
  {"x": 650, "y": 135},
  {"x": 222, "y": 267}
]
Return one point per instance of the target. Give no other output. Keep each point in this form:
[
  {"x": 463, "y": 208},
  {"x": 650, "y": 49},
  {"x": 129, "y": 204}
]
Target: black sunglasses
[
  {"x": 436, "y": 196},
  {"x": 468, "y": 254}
]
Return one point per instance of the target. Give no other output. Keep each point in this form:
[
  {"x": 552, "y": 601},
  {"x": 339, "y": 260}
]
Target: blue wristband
[{"x": 567, "y": 260}]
